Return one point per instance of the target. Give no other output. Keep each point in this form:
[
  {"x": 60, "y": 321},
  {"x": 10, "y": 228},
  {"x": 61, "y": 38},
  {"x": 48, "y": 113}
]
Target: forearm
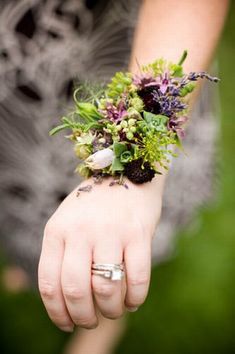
[{"x": 166, "y": 28}]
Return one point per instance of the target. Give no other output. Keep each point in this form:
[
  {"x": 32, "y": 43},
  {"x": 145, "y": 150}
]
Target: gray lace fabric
[{"x": 44, "y": 47}]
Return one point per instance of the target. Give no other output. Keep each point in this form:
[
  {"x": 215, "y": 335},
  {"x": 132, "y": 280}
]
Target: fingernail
[
  {"x": 67, "y": 329},
  {"x": 132, "y": 309}
]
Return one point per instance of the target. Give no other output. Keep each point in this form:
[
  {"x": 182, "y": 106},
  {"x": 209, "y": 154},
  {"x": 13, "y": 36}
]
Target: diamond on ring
[{"x": 108, "y": 270}]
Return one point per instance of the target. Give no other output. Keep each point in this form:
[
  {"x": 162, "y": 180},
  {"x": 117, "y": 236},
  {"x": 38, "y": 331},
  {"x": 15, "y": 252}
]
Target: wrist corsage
[{"x": 129, "y": 127}]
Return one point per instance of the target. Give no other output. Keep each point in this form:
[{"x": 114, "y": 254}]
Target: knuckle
[
  {"x": 140, "y": 228},
  {"x": 141, "y": 279},
  {"x": 59, "y": 319},
  {"x": 54, "y": 227},
  {"x": 47, "y": 290},
  {"x": 114, "y": 315},
  {"x": 103, "y": 289},
  {"x": 74, "y": 293},
  {"x": 136, "y": 227},
  {"x": 88, "y": 323},
  {"x": 132, "y": 228},
  {"x": 82, "y": 225},
  {"x": 49, "y": 228}
]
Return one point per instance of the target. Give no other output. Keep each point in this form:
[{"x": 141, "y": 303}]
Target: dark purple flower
[
  {"x": 176, "y": 124},
  {"x": 150, "y": 103}
]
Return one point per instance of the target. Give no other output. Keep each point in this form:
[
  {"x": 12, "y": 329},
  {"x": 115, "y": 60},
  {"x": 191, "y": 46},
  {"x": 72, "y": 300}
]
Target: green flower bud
[
  {"x": 127, "y": 80},
  {"x": 137, "y": 103},
  {"x": 83, "y": 170},
  {"x": 123, "y": 124},
  {"x": 82, "y": 151},
  {"x": 133, "y": 129},
  {"x": 133, "y": 113},
  {"x": 131, "y": 121},
  {"x": 119, "y": 88},
  {"x": 130, "y": 135},
  {"x": 103, "y": 101}
]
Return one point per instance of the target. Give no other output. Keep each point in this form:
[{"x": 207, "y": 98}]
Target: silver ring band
[{"x": 110, "y": 266}]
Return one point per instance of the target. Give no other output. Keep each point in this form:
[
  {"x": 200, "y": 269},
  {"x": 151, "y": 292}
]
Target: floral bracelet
[{"x": 129, "y": 127}]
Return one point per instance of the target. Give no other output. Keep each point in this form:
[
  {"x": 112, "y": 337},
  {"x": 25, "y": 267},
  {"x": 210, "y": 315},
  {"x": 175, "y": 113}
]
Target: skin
[
  {"x": 108, "y": 224},
  {"x": 112, "y": 224}
]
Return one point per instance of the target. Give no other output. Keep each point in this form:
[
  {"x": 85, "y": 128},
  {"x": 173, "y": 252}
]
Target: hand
[{"x": 106, "y": 225}]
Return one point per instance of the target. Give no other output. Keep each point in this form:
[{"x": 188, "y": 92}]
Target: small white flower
[{"x": 100, "y": 159}]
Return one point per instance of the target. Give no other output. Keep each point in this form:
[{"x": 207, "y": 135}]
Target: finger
[
  {"x": 109, "y": 294},
  {"x": 137, "y": 258},
  {"x": 49, "y": 274},
  {"x": 76, "y": 283}
]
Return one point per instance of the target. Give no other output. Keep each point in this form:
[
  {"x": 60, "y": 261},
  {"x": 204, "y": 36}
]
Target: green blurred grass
[{"x": 190, "y": 307}]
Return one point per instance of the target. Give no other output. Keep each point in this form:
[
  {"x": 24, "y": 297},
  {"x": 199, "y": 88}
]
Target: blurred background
[{"x": 190, "y": 307}]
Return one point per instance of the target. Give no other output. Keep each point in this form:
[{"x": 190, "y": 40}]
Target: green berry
[
  {"x": 133, "y": 129},
  {"x": 119, "y": 88},
  {"x": 130, "y": 135},
  {"x": 137, "y": 103},
  {"x": 127, "y": 81},
  {"x": 131, "y": 121},
  {"x": 123, "y": 124}
]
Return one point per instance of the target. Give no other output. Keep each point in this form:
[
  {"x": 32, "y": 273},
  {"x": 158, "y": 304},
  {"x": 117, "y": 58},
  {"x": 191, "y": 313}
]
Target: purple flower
[
  {"x": 114, "y": 113},
  {"x": 144, "y": 80},
  {"x": 161, "y": 82},
  {"x": 176, "y": 124},
  {"x": 194, "y": 76},
  {"x": 164, "y": 82},
  {"x": 160, "y": 94},
  {"x": 169, "y": 104}
]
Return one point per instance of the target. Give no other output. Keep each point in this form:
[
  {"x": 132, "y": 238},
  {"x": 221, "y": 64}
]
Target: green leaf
[
  {"x": 87, "y": 111},
  {"x": 95, "y": 125},
  {"x": 117, "y": 165},
  {"x": 156, "y": 121},
  {"x": 178, "y": 142},
  {"x": 67, "y": 121},
  {"x": 187, "y": 89},
  {"x": 183, "y": 57},
  {"x": 148, "y": 116},
  {"x": 177, "y": 70},
  {"x": 57, "y": 129},
  {"x": 119, "y": 148},
  {"x": 126, "y": 156}
]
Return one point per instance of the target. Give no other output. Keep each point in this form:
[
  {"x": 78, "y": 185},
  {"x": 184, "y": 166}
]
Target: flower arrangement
[{"x": 129, "y": 127}]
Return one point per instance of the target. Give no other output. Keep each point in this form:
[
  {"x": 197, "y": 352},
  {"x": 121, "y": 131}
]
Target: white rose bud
[{"x": 100, "y": 159}]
